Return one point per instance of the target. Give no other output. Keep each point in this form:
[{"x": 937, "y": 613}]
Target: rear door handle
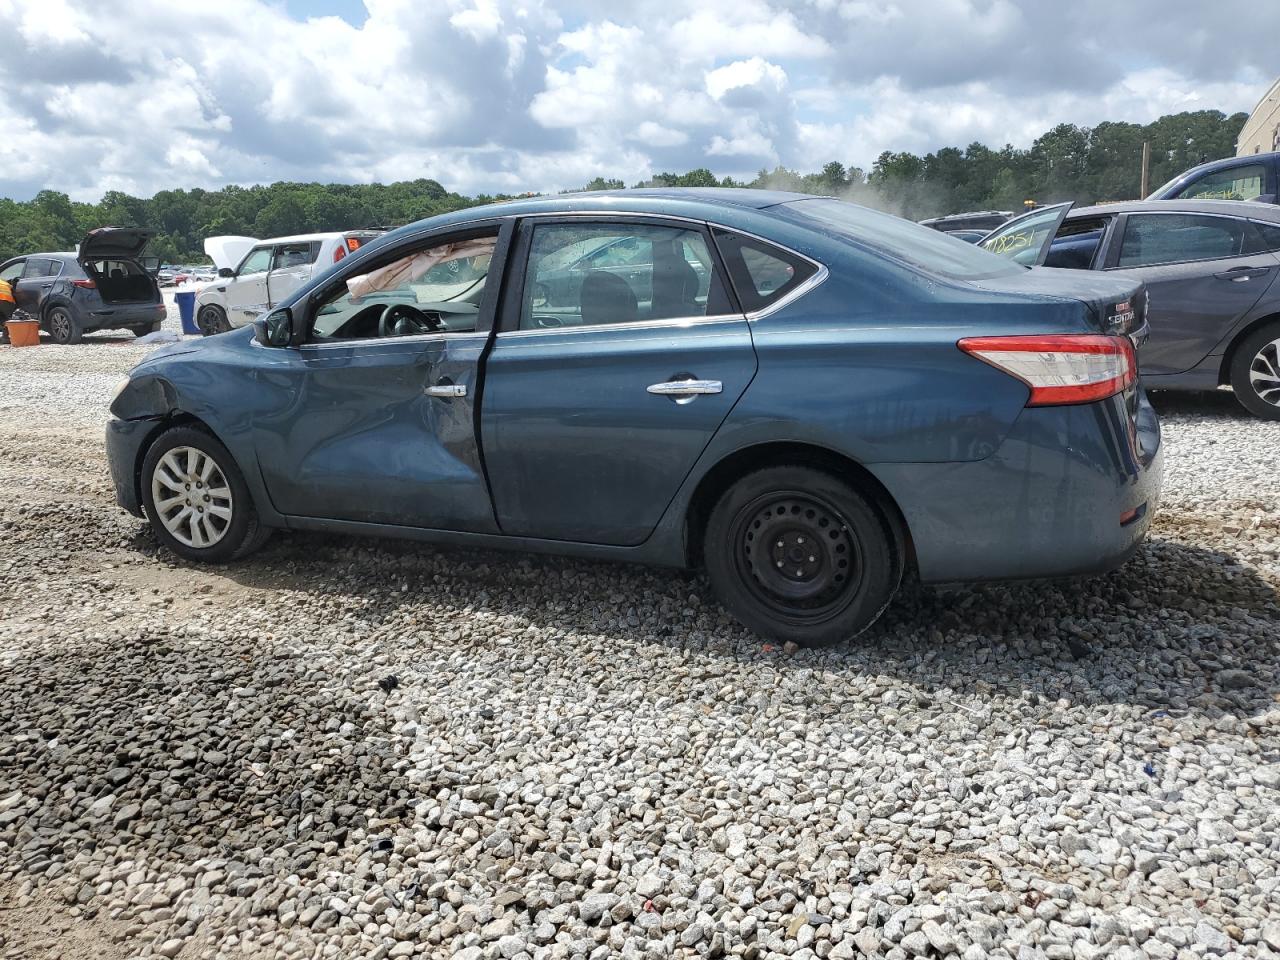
[
  {"x": 447, "y": 391},
  {"x": 683, "y": 391},
  {"x": 1241, "y": 274}
]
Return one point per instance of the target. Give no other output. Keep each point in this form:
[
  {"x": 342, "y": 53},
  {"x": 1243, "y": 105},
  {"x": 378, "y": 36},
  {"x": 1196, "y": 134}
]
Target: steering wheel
[{"x": 422, "y": 322}]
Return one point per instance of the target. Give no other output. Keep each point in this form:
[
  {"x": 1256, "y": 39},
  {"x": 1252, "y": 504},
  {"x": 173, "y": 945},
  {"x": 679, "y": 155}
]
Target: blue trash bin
[{"x": 186, "y": 300}]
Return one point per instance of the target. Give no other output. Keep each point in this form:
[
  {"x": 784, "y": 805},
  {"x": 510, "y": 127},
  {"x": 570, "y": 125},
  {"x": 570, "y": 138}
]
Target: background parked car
[
  {"x": 106, "y": 285},
  {"x": 839, "y": 394},
  {"x": 984, "y": 220},
  {"x": 1210, "y": 267},
  {"x": 267, "y": 274},
  {"x": 1255, "y": 177}
]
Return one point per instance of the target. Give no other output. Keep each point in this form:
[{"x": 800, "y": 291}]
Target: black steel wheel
[{"x": 797, "y": 554}]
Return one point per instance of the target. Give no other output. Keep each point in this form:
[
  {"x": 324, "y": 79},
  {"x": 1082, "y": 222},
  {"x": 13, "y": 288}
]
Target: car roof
[
  {"x": 1230, "y": 208},
  {"x": 1227, "y": 162},
  {"x": 697, "y": 203}
]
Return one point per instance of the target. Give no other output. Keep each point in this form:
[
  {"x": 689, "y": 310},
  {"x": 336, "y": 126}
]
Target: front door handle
[
  {"x": 685, "y": 390},
  {"x": 447, "y": 391}
]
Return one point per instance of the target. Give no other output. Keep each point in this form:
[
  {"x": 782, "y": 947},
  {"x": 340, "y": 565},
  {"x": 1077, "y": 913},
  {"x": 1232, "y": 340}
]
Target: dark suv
[{"x": 105, "y": 286}]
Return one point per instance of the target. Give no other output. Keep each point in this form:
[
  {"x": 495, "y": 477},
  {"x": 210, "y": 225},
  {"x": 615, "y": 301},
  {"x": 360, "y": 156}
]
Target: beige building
[{"x": 1261, "y": 132}]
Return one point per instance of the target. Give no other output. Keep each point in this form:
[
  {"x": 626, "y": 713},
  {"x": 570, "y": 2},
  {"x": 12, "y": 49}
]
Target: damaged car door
[{"x": 373, "y": 415}]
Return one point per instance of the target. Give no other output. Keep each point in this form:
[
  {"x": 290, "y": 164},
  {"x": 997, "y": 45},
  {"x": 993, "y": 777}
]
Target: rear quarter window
[{"x": 761, "y": 273}]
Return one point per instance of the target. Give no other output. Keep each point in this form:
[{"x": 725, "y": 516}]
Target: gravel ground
[{"x": 349, "y": 748}]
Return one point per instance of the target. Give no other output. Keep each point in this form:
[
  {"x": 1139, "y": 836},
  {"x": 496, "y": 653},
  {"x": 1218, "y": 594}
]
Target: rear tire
[
  {"x": 62, "y": 326},
  {"x": 196, "y": 499},
  {"x": 797, "y": 554},
  {"x": 1255, "y": 372},
  {"x": 147, "y": 328},
  {"x": 212, "y": 319}
]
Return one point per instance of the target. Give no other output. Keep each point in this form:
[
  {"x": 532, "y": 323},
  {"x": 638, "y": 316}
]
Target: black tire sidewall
[
  {"x": 1240, "y": 364},
  {"x": 881, "y": 567},
  {"x": 244, "y": 524},
  {"x": 218, "y": 320}
]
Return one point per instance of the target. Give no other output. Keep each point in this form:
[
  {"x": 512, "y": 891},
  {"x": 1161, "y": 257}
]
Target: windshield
[{"x": 922, "y": 247}]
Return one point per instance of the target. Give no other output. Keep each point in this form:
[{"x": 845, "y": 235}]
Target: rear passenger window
[
  {"x": 593, "y": 274},
  {"x": 40, "y": 267},
  {"x": 761, "y": 273},
  {"x": 1179, "y": 237},
  {"x": 290, "y": 255}
]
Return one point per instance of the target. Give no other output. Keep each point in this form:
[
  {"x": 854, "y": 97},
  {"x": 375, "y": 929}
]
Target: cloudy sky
[{"x": 514, "y": 95}]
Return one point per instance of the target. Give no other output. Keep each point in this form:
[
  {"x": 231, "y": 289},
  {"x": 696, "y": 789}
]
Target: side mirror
[
  {"x": 226, "y": 272},
  {"x": 275, "y": 329}
]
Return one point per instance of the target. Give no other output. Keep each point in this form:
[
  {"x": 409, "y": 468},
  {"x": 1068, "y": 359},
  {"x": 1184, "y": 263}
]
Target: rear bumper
[
  {"x": 1048, "y": 503},
  {"x": 124, "y": 444},
  {"x": 124, "y": 315}
]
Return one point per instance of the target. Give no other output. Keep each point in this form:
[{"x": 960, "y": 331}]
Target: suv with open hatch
[{"x": 105, "y": 285}]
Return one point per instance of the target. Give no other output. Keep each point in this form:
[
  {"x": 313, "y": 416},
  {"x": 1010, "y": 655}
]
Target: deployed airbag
[{"x": 413, "y": 267}]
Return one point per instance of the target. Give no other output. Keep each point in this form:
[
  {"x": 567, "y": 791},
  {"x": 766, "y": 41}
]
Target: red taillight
[
  {"x": 84, "y": 284},
  {"x": 1062, "y": 368},
  {"x": 339, "y": 253}
]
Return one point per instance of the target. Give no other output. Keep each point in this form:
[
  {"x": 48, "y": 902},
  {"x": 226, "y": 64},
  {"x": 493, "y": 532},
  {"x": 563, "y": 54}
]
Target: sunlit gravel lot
[{"x": 355, "y": 748}]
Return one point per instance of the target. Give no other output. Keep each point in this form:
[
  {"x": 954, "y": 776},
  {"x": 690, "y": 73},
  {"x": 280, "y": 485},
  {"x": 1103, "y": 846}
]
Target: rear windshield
[{"x": 929, "y": 250}]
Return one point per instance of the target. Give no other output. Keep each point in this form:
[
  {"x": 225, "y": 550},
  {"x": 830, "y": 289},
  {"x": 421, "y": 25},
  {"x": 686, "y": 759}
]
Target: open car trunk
[
  {"x": 122, "y": 281},
  {"x": 109, "y": 256}
]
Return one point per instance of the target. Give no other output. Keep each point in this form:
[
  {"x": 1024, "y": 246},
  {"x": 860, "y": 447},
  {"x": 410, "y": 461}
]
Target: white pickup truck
[{"x": 255, "y": 275}]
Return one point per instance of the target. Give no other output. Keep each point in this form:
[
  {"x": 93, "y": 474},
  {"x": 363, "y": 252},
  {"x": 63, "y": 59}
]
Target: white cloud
[{"x": 501, "y": 95}]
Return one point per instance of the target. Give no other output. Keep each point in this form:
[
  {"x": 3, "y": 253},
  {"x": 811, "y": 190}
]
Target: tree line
[{"x": 1084, "y": 164}]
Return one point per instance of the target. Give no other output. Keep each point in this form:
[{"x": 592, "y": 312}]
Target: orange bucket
[{"x": 24, "y": 333}]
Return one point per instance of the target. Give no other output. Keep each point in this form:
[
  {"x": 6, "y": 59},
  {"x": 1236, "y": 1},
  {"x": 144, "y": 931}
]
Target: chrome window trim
[
  {"x": 389, "y": 341},
  {"x": 784, "y": 301},
  {"x": 692, "y": 320}
]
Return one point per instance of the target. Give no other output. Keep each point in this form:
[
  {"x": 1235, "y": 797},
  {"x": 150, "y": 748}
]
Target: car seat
[
  {"x": 675, "y": 283},
  {"x": 606, "y": 298}
]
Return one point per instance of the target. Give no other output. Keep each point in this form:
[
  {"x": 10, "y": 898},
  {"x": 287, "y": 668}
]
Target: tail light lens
[
  {"x": 338, "y": 253},
  {"x": 84, "y": 284},
  {"x": 1060, "y": 369}
]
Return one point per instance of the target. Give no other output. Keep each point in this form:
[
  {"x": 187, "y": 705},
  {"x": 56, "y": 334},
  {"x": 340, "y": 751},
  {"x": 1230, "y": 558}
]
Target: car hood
[
  {"x": 227, "y": 252},
  {"x": 113, "y": 242}
]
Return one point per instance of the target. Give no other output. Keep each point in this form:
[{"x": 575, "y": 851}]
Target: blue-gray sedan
[{"x": 802, "y": 396}]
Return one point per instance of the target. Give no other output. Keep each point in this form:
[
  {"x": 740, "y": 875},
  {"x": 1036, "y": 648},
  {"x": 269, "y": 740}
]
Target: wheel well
[
  {"x": 788, "y": 454},
  {"x": 177, "y": 418},
  {"x": 1224, "y": 373}
]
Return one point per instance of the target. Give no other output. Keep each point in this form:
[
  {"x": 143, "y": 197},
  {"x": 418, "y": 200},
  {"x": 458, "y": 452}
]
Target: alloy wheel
[
  {"x": 800, "y": 555},
  {"x": 192, "y": 497},
  {"x": 1264, "y": 373},
  {"x": 60, "y": 325}
]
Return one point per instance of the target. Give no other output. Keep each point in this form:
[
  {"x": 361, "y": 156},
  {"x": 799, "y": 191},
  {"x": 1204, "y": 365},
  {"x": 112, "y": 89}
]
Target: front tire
[
  {"x": 196, "y": 499},
  {"x": 212, "y": 319},
  {"x": 62, "y": 326},
  {"x": 797, "y": 554},
  {"x": 1255, "y": 372}
]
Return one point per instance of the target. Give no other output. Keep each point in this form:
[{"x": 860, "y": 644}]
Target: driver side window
[
  {"x": 258, "y": 261},
  {"x": 435, "y": 289}
]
